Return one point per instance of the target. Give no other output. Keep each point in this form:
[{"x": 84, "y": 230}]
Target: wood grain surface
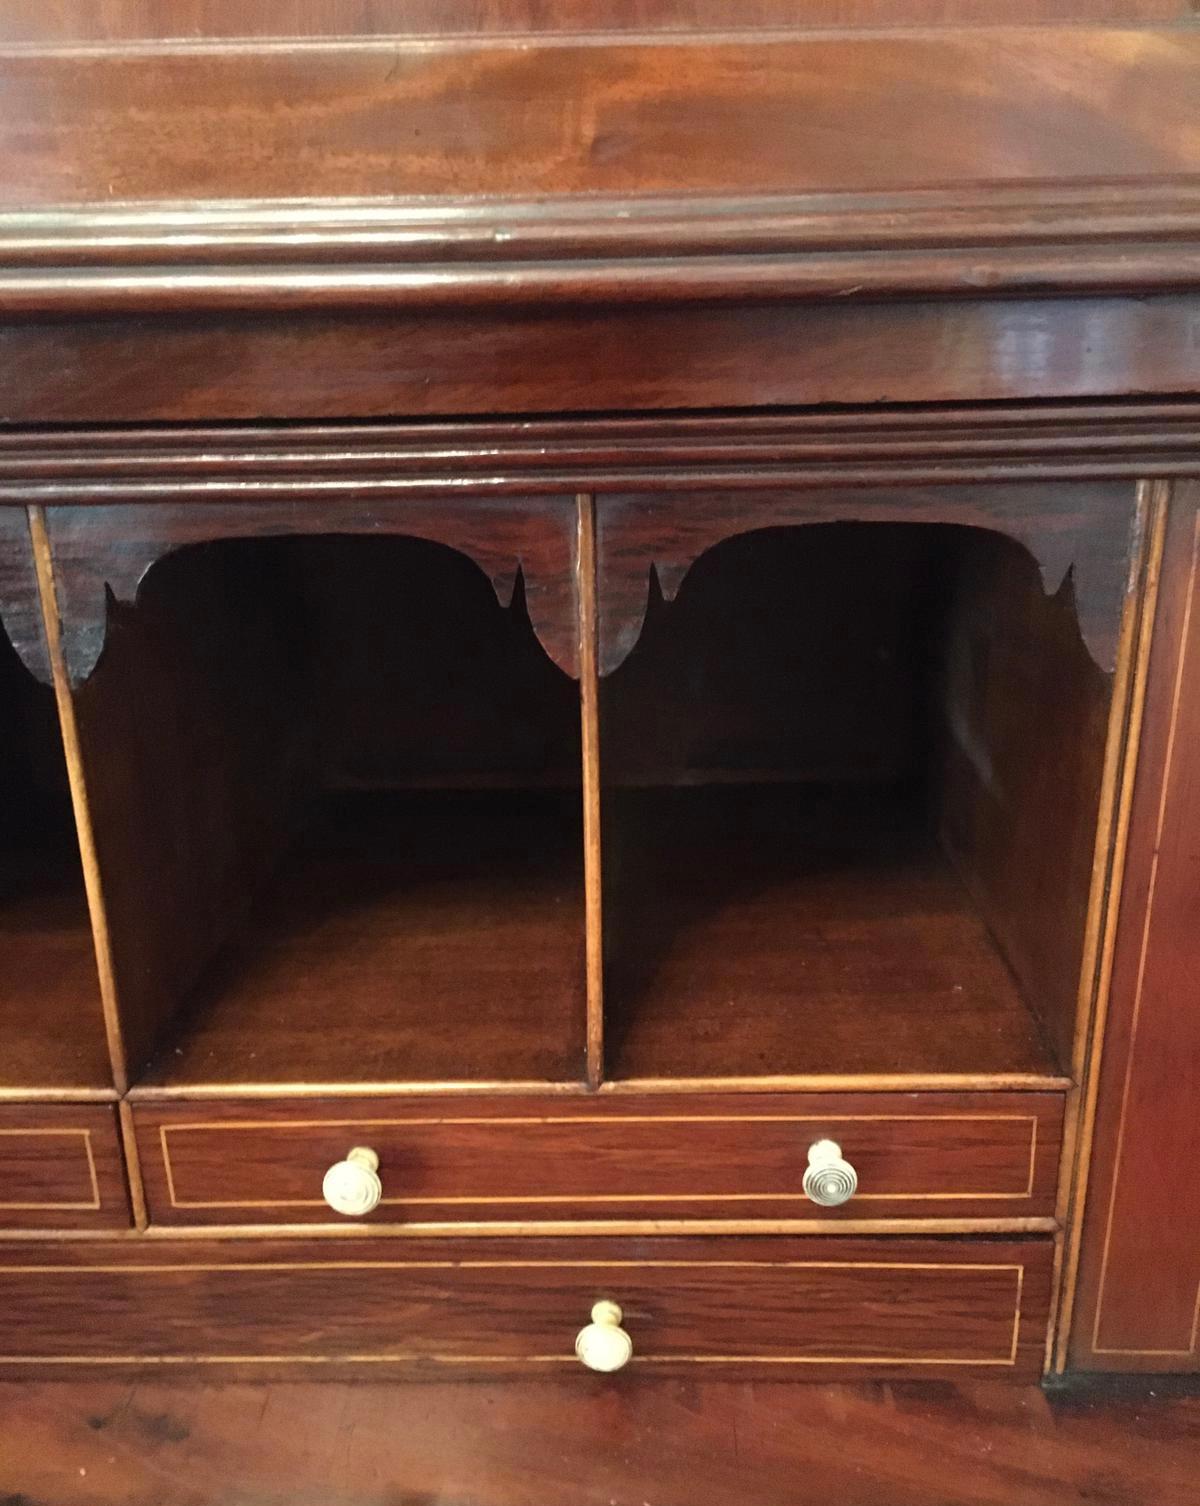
[
  {"x": 44, "y": 22},
  {"x": 618, "y": 1442},
  {"x": 686, "y": 114},
  {"x": 1139, "y": 1296},
  {"x": 61, "y": 1167},
  {"x": 97, "y": 551},
  {"x": 378, "y": 364},
  {"x": 744, "y": 1306},
  {"x": 567, "y": 1158}
]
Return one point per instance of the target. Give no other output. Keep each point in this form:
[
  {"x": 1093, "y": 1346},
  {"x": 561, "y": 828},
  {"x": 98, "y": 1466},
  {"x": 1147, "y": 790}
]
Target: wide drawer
[
  {"x": 767, "y": 1305},
  {"x": 614, "y": 1156},
  {"x": 61, "y": 1167}
]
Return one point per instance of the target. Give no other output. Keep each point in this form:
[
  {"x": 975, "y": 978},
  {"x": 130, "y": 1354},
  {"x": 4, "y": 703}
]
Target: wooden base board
[{"x": 594, "y": 1441}]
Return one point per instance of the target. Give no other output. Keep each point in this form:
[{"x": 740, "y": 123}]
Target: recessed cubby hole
[
  {"x": 851, "y": 781},
  {"x": 336, "y": 793},
  {"x": 51, "y": 1021}
]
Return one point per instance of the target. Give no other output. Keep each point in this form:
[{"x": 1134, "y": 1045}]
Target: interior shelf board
[
  {"x": 50, "y": 1012},
  {"x": 407, "y": 937},
  {"x": 802, "y": 931}
]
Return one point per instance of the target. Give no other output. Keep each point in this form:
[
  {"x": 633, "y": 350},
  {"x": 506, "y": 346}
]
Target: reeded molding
[{"x": 1095, "y": 237}]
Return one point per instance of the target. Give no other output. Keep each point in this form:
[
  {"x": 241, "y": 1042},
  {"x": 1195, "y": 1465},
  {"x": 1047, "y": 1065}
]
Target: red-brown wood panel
[
  {"x": 512, "y": 116},
  {"x": 621, "y": 1156},
  {"x": 767, "y": 1307},
  {"x": 1139, "y": 1292},
  {"x": 379, "y": 363},
  {"x": 61, "y": 1167}
]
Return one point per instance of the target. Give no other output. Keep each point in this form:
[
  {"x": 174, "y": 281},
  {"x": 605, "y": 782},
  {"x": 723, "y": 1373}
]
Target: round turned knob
[
  {"x": 604, "y": 1345},
  {"x": 352, "y": 1186},
  {"x": 829, "y": 1180}
]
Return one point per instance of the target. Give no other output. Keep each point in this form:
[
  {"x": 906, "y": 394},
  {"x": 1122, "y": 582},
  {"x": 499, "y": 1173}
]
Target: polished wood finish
[
  {"x": 20, "y": 610},
  {"x": 1020, "y": 800},
  {"x": 830, "y": 913},
  {"x": 1083, "y": 529},
  {"x": 572, "y": 1160},
  {"x": 98, "y": 551},
  {"x": 75, "y": 21},
  {"x": 694, "y": 114},
  {"x": 61, "y": 1167},
  {"x": 754, "y": 1307},
  {"x": 1140, "y": 1277},
  {"x": 378, "y": 364},
  {"x": 545, "y": 367},
  {"x": 50, "y": 1013},
  {"x": 882, "y": 445},
  {"x": 345, "y": 894},
  {"x": 421, "y": 938},
  {"x": 714, "y": 1442}
]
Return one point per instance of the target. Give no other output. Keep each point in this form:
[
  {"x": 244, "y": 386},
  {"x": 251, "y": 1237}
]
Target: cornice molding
[
  {"x": 428, "y": 255},
  {"x": 684, "y": 452}
]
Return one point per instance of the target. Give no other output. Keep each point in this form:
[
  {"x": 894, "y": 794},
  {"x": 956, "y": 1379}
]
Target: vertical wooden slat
[
  {"x": 589, "y": 701},
  {"x": 133, "y": 1167},
  {"x": 79, "y": 799},
  {"x": 1124, "y": 731}
]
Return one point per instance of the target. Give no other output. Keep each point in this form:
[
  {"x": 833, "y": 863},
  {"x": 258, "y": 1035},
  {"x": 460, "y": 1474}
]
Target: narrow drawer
[
  {"x": 61, "y": 1167},
  {"x": 767, "y": 1305},
  {"x": 613, "y": 1156}
]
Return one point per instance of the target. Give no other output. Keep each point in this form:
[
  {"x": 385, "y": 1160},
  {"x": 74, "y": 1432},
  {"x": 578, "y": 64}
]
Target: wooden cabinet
[{"x": 611, "y": 675}]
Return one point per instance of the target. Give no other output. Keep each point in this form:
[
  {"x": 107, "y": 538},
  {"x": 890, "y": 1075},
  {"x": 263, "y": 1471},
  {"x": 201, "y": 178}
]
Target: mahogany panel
[
  {"x": 379, "y": 364},
  {"x": 766, "y": 1307},
  {"x": 799, "y": 930},
  {"x": 61, "y": 1167},
  {"x": 686, "y": 115},
  {"x": 20, "y": 605},
  {"x": 105, "y": 551},
  {"x": 418, "y": 936},
  {"x": 56, "y": 21},
  {"x": 247, "y": 911},
  {"x": 1019, "y": 797},
  {"x": 51, "y": 1026},
  {"x": 705, "y": 1440},
  {"x": 1085, "y": 529},
  {"x": 561, "y": 1159},
  {"x": 1139, "y": 1288}
]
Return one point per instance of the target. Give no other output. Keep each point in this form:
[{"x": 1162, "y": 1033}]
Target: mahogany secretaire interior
[{"x": 597, "y": 741}]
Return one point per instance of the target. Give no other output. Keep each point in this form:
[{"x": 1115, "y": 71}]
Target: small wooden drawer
[
  {"x": 612, "y": 1157},
  {"x": 61, "y": 1167},
  {"x": 771, "y": 1306}
]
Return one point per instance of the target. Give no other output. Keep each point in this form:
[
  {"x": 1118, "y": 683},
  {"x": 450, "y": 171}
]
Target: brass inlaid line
[
  {"x": 245, "y": 1126},
  {"x": 589, "y": 714}
]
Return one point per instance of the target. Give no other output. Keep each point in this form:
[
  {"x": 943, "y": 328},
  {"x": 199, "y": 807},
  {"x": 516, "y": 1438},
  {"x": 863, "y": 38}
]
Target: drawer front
[
  {"x": 61, "y": 1167},
  {"x": 767, "y": 1305},
  {"x": 609, "y": 1157}
]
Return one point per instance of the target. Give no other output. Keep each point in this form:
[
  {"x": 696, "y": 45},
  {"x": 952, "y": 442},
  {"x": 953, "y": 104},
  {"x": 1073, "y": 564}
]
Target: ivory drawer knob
[
  {"x": 604, "y": 1345},
  {"x": 828, "y": 1179},
  {"x": 352, "y": 1186}
]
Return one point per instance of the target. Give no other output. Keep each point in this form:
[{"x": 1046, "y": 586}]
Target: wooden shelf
[
  {"x": 796, "y": 930},
  {"x": 408, "y": 937},
  {"x": 50, "y": 1017}
]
